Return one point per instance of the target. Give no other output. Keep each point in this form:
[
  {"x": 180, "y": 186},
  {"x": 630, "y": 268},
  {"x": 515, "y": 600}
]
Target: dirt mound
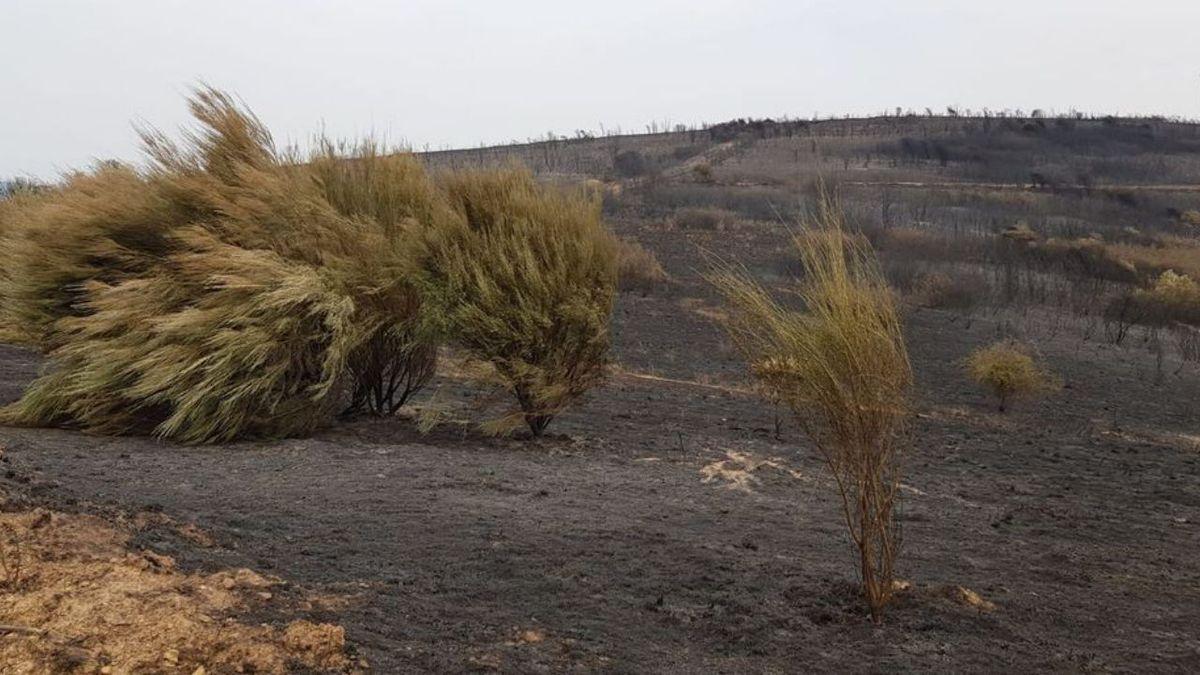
[{"x": 74, "y": 598}]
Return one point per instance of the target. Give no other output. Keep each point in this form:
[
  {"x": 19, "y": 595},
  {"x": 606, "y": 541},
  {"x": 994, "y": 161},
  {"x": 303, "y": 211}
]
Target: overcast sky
[{"x": 74, "y": 75}]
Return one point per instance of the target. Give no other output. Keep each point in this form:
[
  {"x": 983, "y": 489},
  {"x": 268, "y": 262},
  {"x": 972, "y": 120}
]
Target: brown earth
[
  {"x": 75, "y": 598},
  {"x": 666, "y": 528}
]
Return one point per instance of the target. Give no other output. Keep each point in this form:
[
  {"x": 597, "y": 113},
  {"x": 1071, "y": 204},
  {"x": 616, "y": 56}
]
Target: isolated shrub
[
  {"x": 526, "y": 283},
  {"x": 637, "y": 268},
  {"x": 711, "y": 219},
  {"x": 703, "y": 173},
  {"x": 841, "y": 364},
  {"x": 955, "y": 289},
  {"x": 1008, "y": 370},
  {"x": 231, "y": 298}
]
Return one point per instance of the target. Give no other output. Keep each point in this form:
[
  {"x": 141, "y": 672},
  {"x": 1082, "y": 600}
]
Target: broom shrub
[
  {"x": 228, "y": 291},
  {"x": 526, "y": 283},
  {"x": 840, "y": 363}
]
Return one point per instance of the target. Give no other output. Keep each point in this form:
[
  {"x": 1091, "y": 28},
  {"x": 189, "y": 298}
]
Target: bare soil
[
  {"x": 665, "y": 527},
  {"x": 77, "y": 599}
]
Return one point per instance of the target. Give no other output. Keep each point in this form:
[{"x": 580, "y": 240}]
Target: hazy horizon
[{"x": 449, "y": 74}]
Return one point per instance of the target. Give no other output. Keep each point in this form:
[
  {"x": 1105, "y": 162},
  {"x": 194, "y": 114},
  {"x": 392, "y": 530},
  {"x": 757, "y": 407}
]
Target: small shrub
[
  {"x": 957, "y": 290},
  {"x": 703, "y": 173},
  {"x": 710, "y": 219},
  {"x": 1008, "y": 371},
  {"x": 637, "y": 268},
  {"x": 840, "y": 363},
  {"x": 525, "y": 282}
]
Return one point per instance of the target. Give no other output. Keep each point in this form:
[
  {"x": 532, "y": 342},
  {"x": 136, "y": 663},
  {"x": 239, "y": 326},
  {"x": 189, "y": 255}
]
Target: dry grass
[
  {"x": 1008, "y": 370},
  {"x": 703, "y": 218},
  {"x": 526, "y": 282},
  {"x": 841, "y": 364},
  {"x": 89, "y": 602},
  {"x": 951, "y": 289},
  {"x": 1173, "y": 253},
  {"x": 637, "y": 268}
]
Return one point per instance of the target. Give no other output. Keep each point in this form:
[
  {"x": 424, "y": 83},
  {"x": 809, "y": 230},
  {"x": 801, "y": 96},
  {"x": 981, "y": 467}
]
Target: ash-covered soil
[{"x": 665, "y": 527}]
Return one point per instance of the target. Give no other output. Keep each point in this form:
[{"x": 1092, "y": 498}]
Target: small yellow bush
[
  {"x": 1177, "y": 288},
  {"x": 1009, "y": 371}
]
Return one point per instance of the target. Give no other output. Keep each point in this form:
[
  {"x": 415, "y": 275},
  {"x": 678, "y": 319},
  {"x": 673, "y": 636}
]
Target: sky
[{"x": 76, "y": 76}]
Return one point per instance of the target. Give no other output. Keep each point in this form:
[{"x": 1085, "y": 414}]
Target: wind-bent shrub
[
  {"x": 1008, "y": 371},
  {"x": 229, "y": 291},
  {"x": 840, "y": 363},
  {"x": 102, "y": 226},
  {"x": 393, "y": 191},
  {"x": 526, "y": 283},
  {"x": 13, "y": 203}
]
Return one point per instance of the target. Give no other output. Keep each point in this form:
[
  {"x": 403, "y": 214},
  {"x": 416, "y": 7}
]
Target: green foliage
[
  {"x": 840, "y": 363},
  {"x": 526, "y": 282},
  {"x": 1008, "y": 370}
]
